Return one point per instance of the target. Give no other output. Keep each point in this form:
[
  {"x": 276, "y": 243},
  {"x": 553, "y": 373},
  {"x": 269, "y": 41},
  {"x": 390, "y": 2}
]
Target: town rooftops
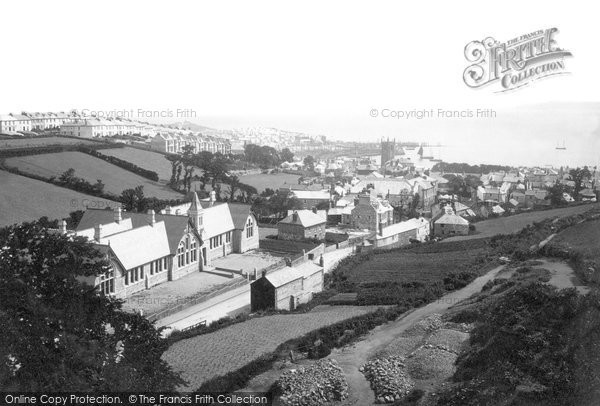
[
  {"x": 304, "y": 218},
  {"x": 289, "y": 274}
]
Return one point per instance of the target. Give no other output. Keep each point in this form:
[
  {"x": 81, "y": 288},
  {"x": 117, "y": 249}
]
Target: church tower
[{"x": 196, "y": 213}]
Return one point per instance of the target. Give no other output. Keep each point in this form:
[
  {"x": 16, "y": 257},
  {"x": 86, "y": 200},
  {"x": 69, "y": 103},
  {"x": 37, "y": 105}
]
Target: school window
[
  {"x": 164, "y": 263},
  {"x": 107, "y": 282},
  {"x": 249, "y": 228},
  {"x": 151, "y": 268},
  {"x": 228, "y": 236},
  {"x": 180, "y": 254}
]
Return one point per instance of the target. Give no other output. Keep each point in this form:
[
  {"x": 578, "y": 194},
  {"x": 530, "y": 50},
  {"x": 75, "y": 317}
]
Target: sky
[{"x": 312, "y": 66}]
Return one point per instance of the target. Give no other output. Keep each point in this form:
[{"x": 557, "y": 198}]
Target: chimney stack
[
  {"x": 213, "y": 197},
  {"x": 295, "y": 216},
  {"x": 151, "y": 217},
  {"x": 168, "y": 210},
  {"x": 62, "y": 227},
  {"x": 264, "y": 273},
  {"x": 314, "y": 210},
  {"x": 117, "y": 214},
  {"x": 98, "y": 232}
]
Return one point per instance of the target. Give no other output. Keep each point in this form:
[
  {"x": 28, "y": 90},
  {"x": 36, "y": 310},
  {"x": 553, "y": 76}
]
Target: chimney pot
[
  {"x": 63, "y": 227},
  {"x": 314, "y": 210},
  {"x": 151, "y": 217},
  {"x": 295, "y": 216},
  {"x": 98, "y": 232},
  {"x": 117, "y": 215}
]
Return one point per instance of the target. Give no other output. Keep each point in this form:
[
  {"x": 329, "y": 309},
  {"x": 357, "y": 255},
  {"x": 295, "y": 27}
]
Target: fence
[{"x": 197, "y": 299}]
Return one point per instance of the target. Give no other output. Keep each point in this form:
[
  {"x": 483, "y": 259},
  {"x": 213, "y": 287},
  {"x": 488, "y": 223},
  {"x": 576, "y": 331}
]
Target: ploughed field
[
  {"x": 91, "y": 169},
  {"x": 209, "y": 355},
  {"x": 25, "y": 199}
]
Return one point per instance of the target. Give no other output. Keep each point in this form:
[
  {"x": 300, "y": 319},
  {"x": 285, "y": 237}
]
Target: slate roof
[
  {"x": 239, "y": 214},
  {"x": 174, "y": 226},
  {"x": 451, "y": 219},
  {"x": 305, "y": 218},
  {"x": 289, "y": 274}
]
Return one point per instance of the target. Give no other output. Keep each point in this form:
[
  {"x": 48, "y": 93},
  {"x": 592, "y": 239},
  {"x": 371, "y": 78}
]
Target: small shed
[{"x": 286, "y": 288}]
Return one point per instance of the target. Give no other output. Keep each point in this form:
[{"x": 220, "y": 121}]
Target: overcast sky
[{"x": 312, "y": 66}]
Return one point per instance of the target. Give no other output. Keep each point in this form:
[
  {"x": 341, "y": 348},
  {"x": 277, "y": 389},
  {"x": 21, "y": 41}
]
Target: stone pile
[
  {"x": 388, "y": 378},
  {"x": 317, "y": 384},
  {"x": 426, "y": 325}
]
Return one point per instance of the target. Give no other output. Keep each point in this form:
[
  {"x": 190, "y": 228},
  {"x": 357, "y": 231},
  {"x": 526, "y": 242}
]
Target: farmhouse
[
  {"x": 286, "y": 288},
  {"x": 147, "y": 249},
  {"x": 302, "y": 224},
  {"x": 450, "y": 224}
]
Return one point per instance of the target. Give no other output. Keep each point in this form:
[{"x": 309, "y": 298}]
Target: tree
[
  {"x": 287, "y": 155},
  {"x": 309, "y": 163},
  {"x": 188, "y": 161},
  {"x": 234, "y": 183},
  {"x": 59, "y": 334},
  {"x": 578, "y": 175},
  {"x": 555, "y": 194},
  {"x": 133, "y": 199}
]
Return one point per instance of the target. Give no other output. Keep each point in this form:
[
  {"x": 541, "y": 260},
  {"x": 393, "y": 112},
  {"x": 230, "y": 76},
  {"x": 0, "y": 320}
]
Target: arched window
[
  {"x": 249, "y": 228},
  {"x": 187, "y": 252},
  {"x": 107, "y": 282}
]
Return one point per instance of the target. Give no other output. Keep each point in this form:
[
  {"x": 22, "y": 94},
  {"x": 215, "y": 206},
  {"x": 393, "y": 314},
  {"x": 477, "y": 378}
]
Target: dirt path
[
  {"x": 352, "y": 358},
  {"x": 563, "y": 276}
]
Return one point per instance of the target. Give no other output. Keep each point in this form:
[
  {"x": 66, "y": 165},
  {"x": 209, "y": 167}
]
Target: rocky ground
[
  {"x": 422, "y": 357},
  {"x": 317, "y": 384}
]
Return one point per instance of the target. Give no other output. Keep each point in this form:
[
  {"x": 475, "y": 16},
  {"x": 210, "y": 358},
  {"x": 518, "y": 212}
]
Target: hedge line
[
  {"x": 128, "y": 166},
  {"x": 52, "y": 149}
]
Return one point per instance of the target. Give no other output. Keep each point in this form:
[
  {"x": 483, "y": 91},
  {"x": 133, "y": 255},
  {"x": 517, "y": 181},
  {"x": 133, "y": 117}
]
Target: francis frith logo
[{"x": 515, "y": 63}]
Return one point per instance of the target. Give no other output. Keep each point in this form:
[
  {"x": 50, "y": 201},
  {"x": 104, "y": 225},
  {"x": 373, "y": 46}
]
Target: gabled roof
[
  {"x": 239, "y": 214},
  {"x": 452, "y": 219},
  {"x": 304, "y": 218},
  {"x": 289, "y": 274},
  {"x": 140, "y": 245},
  {"x": 175, "y": 226}
]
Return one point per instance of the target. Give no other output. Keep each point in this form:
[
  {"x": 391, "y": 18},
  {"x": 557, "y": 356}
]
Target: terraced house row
[
  {"x": 174, "y": 142},
  {"x": 152, "y": 248}
]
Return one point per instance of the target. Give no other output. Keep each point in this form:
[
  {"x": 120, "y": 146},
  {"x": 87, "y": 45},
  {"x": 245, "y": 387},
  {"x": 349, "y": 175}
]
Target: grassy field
[
  {"x": 152, "y": 161},
  {"x": 273, "y": 181},
  {"x": 512, "y": 224},
  {"x": 584, "y": 236},
  {"x": 91, "y": 169},
  {"x": 25, "y": 199},
  {"x": 37, "y": 142},
  {"x": 205, "y": 356}
]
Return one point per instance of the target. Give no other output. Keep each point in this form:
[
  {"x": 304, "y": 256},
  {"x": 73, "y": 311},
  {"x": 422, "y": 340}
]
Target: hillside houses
[{"x": 175, "y": 141}]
